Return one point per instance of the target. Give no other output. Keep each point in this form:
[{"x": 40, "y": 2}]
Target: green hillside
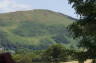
[{"x": 36, "y": 29}]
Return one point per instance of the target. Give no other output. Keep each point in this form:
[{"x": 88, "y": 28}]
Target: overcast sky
[{"x": 54, "y": 5}]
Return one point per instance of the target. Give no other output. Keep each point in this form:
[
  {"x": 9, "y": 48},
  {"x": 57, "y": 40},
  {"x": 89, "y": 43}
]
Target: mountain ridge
[
  {"x": 39, "y": 10},
  {"x": 33, "y": 29}
]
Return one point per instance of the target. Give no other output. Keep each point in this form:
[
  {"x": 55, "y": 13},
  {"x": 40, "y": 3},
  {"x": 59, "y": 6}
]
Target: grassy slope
[{"x": 16, "y": 23}]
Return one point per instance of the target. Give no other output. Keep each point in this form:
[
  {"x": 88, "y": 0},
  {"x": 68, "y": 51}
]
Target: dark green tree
[
  {"x": 85, "y": 27},
  {"x": 55, "y": 54},
  {"x": 80, "y": 56}
]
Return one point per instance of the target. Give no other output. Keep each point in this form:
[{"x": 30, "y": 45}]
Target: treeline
[{"x": 55, "y": 53}]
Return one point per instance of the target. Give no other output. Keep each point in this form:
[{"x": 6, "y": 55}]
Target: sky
[{"x": 61, "y": 6}]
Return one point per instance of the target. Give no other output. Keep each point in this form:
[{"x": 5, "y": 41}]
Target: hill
[{"x": 34, "y": 29}]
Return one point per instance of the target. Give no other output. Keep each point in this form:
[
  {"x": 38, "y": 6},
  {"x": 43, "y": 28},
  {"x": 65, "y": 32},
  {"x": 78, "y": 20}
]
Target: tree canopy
[
  {"x": 55, "y": 53},
  {"x": 85, "y": 27}
]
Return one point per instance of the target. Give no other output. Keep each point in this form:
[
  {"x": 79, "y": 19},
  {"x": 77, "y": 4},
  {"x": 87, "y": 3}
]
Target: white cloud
[{"x": 11, "y": 6}]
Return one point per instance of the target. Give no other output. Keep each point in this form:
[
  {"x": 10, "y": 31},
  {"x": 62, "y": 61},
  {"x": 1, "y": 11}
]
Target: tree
[
  {"x": 85, "y": 27},
  {"x": 80, "y": 56},
  {"x": 55, "y": 54}
]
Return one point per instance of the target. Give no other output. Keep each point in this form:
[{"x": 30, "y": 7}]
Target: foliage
[
  {"x": 55, "y": 53},
  {"x": 31, "y": 56},
  {"x": 23, "y": 58},
  {"x": 84, "y": 29}
]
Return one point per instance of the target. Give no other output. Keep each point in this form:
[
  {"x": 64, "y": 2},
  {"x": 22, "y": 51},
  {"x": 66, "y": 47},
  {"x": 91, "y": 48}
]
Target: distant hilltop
[{"x": 34, "y": 29}]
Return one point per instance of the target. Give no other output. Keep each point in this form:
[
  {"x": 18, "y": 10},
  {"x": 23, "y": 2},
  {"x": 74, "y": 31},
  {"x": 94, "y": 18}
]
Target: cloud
[{"x": 11, "y": 6}]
